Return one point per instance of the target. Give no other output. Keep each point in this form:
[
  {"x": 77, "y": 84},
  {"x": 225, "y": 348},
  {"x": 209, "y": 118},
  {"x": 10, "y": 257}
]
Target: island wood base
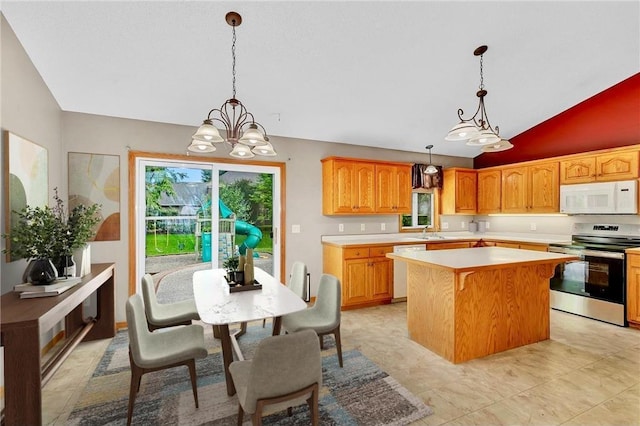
[{"x": 466, "y": 315}]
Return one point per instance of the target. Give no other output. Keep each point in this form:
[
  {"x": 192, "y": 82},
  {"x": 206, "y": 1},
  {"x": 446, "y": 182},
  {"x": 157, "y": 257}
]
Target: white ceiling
[{"x": 386, "y": 74}]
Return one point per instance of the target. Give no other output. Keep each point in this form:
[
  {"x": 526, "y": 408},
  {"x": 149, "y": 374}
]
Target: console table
[{"x": 23, "y": 320}]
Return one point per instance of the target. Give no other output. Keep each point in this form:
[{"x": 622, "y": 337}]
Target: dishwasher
[{"x": 400, "y": 271}]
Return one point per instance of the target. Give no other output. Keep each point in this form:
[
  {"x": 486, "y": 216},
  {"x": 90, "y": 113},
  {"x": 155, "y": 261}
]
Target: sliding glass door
[{"x": 191, "y": 215}]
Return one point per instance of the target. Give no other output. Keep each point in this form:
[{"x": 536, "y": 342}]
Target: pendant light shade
[
  {"x": 201, "y": 146},
  {"x": 208, "y": 133},
  {"x": 252, "y": 136},
  {"x": 462, "y": 131},
  {"x": 265, "y": 150},
  {"x": 502, "y": 145},
  {"x": 485, "y": 137},
  {"x": 241, "y": 151}
]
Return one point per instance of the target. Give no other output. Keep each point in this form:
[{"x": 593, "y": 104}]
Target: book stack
[{"x": 29, "y": 291}]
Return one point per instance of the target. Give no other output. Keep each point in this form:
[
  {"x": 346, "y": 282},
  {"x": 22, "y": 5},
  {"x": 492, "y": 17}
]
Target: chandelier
[
  {"x": 477, "y": 130},
  {"x": 246, "y": 137}
]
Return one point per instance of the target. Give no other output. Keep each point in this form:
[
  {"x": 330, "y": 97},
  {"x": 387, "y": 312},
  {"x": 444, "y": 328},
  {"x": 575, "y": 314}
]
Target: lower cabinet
[
  {"x": 633, "y": 289},
  {"x": 365, "y": 273}
]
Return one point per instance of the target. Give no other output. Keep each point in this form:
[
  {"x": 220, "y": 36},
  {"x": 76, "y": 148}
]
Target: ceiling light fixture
[
  {"x": 244, "y": 134},
  {"x": 431, "y": 169},
  {"x": 477, "y": 130},
  {"x": 501, "y": 145}
]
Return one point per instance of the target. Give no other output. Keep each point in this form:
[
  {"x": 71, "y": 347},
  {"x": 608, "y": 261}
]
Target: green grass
[{"x": 166, "y": 244}]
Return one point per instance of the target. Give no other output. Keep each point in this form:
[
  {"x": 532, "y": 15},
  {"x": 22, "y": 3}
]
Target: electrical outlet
[
  {"x": 341, "y": 227},
  {"x": 533, "y": 226},
  {"x": 383, "y": 226},
  {"x": 445, "y": 225},
  {"x": 488, "y": 225},
  {"x": 463, "y": 224},
  {"x": 362, "y": 227},
  {"x": 295, "y": 229}
]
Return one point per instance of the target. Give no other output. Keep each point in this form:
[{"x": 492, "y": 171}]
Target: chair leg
[
  {"x": 289, "y": 412},
  {"x": 194, "y": 385},
  {"x": 256, "y": 418},
  {"x": 321, "y": 338},
  {"x": 240, "y": 414},
  {"x": 134, "y": 387},
  {"x": 336, "y": 335},
  {"x": 313, "y": 406}
]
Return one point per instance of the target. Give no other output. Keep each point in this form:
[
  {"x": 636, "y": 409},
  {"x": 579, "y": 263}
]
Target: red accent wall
[{"x": 607, "y": 120}]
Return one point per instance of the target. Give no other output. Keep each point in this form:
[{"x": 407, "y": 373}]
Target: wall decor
[
  {"x": 26, "y": 179},
  {"x": 95, "y": 178}
]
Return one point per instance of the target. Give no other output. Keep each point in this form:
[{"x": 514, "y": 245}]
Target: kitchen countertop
[
  {"x": 473, "y": 259},
  {"x": 406, "y": 238}
]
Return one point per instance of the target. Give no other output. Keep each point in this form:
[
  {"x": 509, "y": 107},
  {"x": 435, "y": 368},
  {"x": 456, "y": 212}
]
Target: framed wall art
[
  {"x": 26, "y": 178},
  {"x": 95, "y": 178}
]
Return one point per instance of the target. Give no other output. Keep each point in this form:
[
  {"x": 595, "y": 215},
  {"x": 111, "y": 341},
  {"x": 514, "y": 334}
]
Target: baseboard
[{"x": 58, "y": 337}]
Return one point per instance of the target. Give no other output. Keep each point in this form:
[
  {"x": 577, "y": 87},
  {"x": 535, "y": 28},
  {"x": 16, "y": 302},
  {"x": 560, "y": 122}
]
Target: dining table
[{"x": 220, "y": 306}]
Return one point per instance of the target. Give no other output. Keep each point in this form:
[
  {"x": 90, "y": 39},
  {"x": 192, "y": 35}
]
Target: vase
[
  {"x": 66, "y": 266},
  {"x": 82, "y": 257},
  {"x": 41, "y": 272}
]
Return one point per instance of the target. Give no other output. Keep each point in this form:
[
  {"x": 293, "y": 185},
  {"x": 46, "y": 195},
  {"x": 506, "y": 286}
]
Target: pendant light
[
  {"x": 477, "y": 130},
  {"x": 431, "y": 169}
]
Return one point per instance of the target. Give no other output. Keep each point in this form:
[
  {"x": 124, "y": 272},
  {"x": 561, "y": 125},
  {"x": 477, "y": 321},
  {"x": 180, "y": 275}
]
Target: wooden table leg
[
  {"x": 227, "y": 357},
  {"x": 277, "y": 324},
  {"x": 105, "y": 326},
  {"x": 22, "y": 378}
]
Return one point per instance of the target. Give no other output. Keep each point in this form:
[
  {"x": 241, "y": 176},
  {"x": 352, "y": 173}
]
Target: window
[{"x": 422, "y": 211}]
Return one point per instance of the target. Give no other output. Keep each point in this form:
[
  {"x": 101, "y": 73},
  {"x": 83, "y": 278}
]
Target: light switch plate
[
  {"x": 362, "y": 227},
  {"x": 295, "y": 229},
  {"x": 533, "y": 226},
  {"x": 383, "y": 226},
  {"x": 463, "y": 224},
  {"x": 341, "y": 227},
  {"x": 445, "y": 225}
]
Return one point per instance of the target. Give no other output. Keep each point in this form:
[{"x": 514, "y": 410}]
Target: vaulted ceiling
[{"x": 386, "y": 74}]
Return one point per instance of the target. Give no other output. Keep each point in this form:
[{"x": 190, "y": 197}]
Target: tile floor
[{"x": 588, "y": 373}]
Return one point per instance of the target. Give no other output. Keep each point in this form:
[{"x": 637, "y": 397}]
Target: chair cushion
[
  {"x": 174, "y": 313},
  {"x": 172, "y": 345},
  {"x": 308, "y": 319}
]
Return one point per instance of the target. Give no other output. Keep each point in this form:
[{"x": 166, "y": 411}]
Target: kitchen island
[{"x": 468, "y": 303}]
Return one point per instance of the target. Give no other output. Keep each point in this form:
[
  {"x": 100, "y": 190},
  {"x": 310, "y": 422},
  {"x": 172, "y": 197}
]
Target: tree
[
  {"x": 158, "y": 181},
  {"x": 262, "y": 196},
  {"x": 236, "y": 199}
]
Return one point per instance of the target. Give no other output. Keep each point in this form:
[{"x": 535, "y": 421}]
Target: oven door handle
[{"x": 592, "y": 253}]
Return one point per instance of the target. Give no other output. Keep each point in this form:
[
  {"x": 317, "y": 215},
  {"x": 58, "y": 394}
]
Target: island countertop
[{"x": 474, "y": 259}]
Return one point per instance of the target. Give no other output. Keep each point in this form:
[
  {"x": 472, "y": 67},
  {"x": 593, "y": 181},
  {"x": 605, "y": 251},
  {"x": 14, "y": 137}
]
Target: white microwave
[{"x": 600, "y": 198}]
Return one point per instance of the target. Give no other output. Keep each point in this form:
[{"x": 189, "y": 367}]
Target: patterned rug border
[{"x": 358, "y": 394}]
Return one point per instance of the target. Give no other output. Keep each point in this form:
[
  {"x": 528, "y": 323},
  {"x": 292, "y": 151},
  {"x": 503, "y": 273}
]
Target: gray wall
[{"x": 30, "y": 111}]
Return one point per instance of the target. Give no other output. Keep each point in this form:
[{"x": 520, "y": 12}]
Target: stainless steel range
[{"x": 595, "y": 285}]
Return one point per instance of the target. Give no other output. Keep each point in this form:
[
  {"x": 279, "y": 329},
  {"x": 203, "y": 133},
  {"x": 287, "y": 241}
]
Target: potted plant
[
  {"x": 231, "y": 266},
  {"x": 47, "y": 236}
]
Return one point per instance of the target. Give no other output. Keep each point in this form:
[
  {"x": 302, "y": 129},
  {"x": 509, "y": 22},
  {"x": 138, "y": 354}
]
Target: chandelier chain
[
  {"x": 481, "y": 73},
  {"x": 233, "y": 60}
]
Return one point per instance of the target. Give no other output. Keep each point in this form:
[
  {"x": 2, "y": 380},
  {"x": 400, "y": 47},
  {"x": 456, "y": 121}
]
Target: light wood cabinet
[
  {"x": 531, "y": 189},
  {"x": 489, "y": 190},
  {"x": 459, "y": 191},
  {"x": 523, "y": 246},
  {"x": 393, "y": 189},
  {"x": 357, "y": 187},
  {"x": 449, "y": 245},
  {"x": 600, "y": 168},
  {"x": 633, "y": 289},
  {"x": 366, "y": 274}
]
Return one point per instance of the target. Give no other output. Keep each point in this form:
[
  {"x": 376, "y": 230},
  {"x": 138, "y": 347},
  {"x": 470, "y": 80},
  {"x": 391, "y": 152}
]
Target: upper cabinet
[
  {"x": 356, "y": 187},
  {"x": 393, "y": 189},
  {"x": 600, "y": 168},
  {"x": 531, "y": 189},
  {"x": 489, "y": 190},
  {"x": 459, "y": 189}
]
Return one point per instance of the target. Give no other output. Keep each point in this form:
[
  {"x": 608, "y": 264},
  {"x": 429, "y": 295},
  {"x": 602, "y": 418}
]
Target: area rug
[{"x": 358, "y": 394}]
